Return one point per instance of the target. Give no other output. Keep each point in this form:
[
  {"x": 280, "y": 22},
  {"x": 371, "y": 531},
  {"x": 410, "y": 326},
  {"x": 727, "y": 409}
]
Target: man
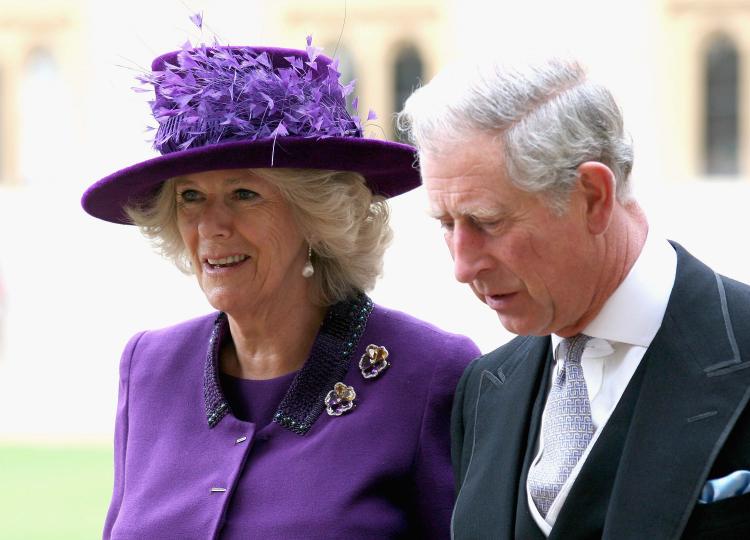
[{"x": 620, "y": 411}]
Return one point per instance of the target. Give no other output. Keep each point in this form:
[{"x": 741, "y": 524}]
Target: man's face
[{"x": 531, "y": 266}]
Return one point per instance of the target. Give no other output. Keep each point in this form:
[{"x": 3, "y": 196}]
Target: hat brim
[{"x": 388, "y": 167}]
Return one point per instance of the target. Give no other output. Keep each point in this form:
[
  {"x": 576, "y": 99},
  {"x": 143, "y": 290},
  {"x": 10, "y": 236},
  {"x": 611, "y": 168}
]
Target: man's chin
[{"x": 520, "y": 327}]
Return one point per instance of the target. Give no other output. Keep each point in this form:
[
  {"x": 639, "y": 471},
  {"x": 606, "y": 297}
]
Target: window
[
  {"x": 408, "y": 74},
  {"x": 348, "y": 74},
  {"x": 3, "y": 127},
  {"x": 44, "y": 118},
  {"x": 721, "y": 135}
]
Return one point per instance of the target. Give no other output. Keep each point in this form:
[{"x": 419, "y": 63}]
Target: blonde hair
[{"x": 346, "y": 226}]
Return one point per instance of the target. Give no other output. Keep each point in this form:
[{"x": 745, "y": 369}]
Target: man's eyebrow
[
  {"x": 487, "y": 213},
  {"x": 435, "y": 213},
  {"x": 479, "y": 212}
]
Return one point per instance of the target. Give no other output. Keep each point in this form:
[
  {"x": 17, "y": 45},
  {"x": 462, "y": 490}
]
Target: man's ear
[{"x": 596, "y": 183}]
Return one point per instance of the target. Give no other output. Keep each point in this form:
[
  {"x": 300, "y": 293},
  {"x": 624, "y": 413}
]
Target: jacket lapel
[
  {"x": 506, "y": 396},
  {"x": 695, "y": 386}
]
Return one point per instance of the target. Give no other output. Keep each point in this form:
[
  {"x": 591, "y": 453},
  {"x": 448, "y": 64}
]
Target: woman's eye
[
  {"x": 245, "y": 194},
  {"x": 189, "y": 195}
]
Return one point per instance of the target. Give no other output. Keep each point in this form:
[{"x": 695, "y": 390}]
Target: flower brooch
[
  {"x": 341, "y": 399},
  {"x": 374, "y": 361}
]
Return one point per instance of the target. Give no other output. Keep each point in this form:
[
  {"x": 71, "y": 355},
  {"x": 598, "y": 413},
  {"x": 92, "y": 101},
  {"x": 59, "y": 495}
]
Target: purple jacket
[{"x": 380, "y": 470}]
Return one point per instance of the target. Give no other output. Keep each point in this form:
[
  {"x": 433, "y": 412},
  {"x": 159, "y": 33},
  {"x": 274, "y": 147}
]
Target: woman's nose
[{"x": 215, "y": 220}]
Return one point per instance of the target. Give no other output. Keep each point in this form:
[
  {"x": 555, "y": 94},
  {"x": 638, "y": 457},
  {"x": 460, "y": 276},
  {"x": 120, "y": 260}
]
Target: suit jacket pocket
[{"x": 723, "y": 520}]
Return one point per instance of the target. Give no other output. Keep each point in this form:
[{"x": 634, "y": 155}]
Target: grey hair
[
  {"x": 548, "y": 118},
  {"x": 346, "y": 226}
]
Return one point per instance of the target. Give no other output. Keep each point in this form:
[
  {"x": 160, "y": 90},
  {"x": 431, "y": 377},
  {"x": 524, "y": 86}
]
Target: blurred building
[
  {"x": 706, "y": 59},
  {"x": 77, "y": 288},
  {"x": 42, "y": 80},
  {"x": 698, "y": 72},
  {"x": 388, "y": 46}
]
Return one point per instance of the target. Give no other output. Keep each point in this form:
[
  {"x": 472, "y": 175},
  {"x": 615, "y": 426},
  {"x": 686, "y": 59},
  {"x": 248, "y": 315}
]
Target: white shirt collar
[{"x": 634, "y": 312}]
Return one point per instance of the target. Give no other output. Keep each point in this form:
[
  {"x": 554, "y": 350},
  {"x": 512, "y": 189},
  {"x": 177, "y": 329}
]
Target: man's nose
[
  {"x": 215, "y": 220},
  {"x": 468, "y": 250}
]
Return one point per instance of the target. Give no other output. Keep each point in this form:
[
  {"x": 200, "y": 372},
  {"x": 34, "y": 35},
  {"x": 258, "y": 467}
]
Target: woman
[{"x": 300, "y": 410}]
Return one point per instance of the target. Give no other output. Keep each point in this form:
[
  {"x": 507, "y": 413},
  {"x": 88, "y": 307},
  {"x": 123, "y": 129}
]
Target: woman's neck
[{"x": 272, "y": 342}]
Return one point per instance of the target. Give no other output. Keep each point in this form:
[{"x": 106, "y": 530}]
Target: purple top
[
  {"x": 255, "y": 400},
  {"x": 187, "y": 467}
]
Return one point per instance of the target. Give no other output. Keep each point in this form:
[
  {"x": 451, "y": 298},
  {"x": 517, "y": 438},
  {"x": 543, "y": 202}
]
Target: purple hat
[{"x": 223, "y": 107}]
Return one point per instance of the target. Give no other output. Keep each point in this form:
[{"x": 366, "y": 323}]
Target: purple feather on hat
[
  {"x": 207, "y": 95},
  {"x": 228, "y": 107}
]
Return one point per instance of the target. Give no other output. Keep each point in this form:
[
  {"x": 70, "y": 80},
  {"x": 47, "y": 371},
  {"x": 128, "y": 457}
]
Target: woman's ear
[{"x": 596, "y": 183}]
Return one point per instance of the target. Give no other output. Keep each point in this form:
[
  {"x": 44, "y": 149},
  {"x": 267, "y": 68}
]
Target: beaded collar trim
[
  {"x": 327, "y": 364},
  {"x": 217, "y": 406}
]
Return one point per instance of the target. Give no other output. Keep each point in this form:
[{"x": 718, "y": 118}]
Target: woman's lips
[
  {"x": 225, "y": 261},
  {"x": 223, "y": 264}
]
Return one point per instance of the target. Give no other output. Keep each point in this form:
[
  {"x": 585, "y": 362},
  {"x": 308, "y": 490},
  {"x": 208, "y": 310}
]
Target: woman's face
[{"x": 242, "y": 239}]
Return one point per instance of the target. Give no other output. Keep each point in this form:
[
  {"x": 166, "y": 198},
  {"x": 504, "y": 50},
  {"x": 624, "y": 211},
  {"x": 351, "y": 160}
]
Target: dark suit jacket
[{"x": 684, "y": 419}]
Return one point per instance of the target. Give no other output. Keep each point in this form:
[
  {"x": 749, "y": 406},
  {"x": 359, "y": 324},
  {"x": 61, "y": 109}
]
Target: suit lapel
[
  {"x": 695, "y": 385},
  {"x": 503, "y": 410}
]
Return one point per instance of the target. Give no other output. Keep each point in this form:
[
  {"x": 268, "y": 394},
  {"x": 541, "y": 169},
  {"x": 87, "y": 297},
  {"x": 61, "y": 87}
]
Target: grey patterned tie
[{"x": 566, "y": 428}]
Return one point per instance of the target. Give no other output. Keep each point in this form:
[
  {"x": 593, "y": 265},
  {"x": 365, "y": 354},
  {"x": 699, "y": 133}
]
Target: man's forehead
[
  {"x": 466, "y": 160},
  {"x": 465, "y": 150}
]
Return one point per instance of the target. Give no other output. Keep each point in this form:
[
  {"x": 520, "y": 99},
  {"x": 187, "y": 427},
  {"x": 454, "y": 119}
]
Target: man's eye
[
  {"x": 489, "y": 225},
  {"x": 245, "y": 194},
  {"x": 447, "y": 226},
  {"x": 189, "y": 195}
]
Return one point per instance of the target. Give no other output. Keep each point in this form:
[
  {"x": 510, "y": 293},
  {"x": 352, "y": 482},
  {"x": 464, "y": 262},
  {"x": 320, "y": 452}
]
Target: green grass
[{"x": 54, "y": 492}]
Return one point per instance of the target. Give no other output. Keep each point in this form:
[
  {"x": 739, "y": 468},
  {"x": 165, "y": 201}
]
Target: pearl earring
[{"x": 308, "y": 270}]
